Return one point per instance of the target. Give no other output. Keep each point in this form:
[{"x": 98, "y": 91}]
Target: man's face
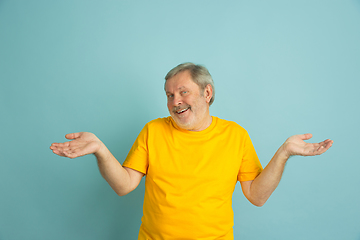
[{"x": 187, "y": 104}]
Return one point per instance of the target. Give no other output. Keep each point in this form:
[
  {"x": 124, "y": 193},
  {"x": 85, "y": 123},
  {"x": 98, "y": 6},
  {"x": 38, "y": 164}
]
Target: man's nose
[{"x": 177, "y": 100}]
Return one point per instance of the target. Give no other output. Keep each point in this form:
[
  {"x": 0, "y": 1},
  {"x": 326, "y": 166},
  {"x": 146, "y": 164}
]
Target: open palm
[
  {"x": 295, "y": 145},
  {"x": 83, "y": 143}
]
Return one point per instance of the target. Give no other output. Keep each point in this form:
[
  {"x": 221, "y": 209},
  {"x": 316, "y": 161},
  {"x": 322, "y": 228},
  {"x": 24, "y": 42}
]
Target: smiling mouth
[{"x": 182, "y": 111}]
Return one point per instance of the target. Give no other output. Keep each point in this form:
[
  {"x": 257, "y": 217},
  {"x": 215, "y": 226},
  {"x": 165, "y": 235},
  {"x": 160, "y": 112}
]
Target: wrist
[
  {"x": 101, "y": 151},
  {"x": 283, "y": 152}
]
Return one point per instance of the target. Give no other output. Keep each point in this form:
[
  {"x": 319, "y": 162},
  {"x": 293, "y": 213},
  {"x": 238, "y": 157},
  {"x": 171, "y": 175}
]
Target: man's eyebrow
[{"x": 179, "y": 88}]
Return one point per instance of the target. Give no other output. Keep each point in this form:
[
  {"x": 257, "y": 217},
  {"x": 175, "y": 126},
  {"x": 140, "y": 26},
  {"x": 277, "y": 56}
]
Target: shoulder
[
  {"x": 159, "y": 122},
  {"x": 230, "y": 125}
]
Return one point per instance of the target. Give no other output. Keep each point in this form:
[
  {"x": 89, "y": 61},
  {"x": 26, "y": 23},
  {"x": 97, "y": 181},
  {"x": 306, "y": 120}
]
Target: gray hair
[{"x": 199, "y": 74}]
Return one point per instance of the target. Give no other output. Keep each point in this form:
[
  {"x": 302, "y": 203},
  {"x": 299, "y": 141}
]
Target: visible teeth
[{"x": 183, "y": 110}]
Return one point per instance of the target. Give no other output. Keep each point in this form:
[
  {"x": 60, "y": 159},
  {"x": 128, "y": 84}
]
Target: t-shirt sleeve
[
  {"x": 250, "y": 167},
  {"x": 137, "y": 157}
]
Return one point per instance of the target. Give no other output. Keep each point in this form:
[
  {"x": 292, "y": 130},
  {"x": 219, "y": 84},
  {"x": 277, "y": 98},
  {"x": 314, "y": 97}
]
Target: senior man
[{"x": 192, "y": 162}]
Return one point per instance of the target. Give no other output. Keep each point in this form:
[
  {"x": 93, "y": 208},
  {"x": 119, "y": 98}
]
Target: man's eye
[
  {"x": 170, "y": 96},
  {"x": 184, "y": 92}
]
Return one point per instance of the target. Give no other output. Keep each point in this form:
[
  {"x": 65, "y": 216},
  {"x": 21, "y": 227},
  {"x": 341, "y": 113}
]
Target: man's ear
[{"x": 208, "y": 93}]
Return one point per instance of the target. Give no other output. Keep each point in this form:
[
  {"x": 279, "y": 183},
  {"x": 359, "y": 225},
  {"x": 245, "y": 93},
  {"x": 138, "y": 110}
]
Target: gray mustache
[{"x": 177, "y": 108}]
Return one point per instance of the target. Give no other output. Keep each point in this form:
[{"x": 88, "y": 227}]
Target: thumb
[
  {"x": 73, "y": 135},
  {"x": 306, "y": 136}
]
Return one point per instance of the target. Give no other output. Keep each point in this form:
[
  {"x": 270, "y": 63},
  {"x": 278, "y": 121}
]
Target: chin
[{"x": 183, "y": 125}]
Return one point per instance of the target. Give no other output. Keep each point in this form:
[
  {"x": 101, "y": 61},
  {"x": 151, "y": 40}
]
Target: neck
[{"x": 204, "y": 125}]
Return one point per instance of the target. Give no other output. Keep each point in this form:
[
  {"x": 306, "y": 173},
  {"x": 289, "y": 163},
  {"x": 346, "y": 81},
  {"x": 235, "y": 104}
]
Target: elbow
[
  {"x": 258, "y": 202},
  {"x": 122, "y": 192}
]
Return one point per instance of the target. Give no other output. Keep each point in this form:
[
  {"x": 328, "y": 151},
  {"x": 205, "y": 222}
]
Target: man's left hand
[{"x": 295, "y": 145}]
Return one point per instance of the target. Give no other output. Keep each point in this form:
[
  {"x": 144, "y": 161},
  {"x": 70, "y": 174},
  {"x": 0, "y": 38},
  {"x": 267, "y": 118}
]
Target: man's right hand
[
  {"x": 82, "y": 143},
  {"x": 122, "y": 180}
]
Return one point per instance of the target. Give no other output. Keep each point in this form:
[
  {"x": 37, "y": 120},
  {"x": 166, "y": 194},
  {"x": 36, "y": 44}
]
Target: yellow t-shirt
[{"x": 190, "y": 178}]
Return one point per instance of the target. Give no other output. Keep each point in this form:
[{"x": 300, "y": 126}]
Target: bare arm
[
  {"x": 122, "y": 180},
  {"x": 259, "y": 190}
]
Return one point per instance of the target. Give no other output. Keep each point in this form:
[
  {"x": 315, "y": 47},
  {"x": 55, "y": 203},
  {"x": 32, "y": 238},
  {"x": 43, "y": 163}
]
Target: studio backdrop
[{"x": 280, "y": 68}]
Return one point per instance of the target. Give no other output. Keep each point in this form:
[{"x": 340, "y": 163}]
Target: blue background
[{"x": 280, "y": 68}]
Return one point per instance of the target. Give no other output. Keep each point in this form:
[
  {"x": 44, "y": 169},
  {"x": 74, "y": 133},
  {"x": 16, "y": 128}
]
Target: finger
[
  {"x": 327, "y": 143},
  {"x": 60, "y": 153},
  {"x": 68, "y": 154},
  {"x": 320, "y": 148},
  {"x": 74, "y": 153},
  {"x": 73, "y": 135},
  {"x": 305, "y": 136},
  {"x": 59, "y": 145},
  {"x": 63, "y": 148},
  {"x": 323, "y": 148}
]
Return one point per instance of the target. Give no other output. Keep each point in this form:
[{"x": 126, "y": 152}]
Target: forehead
[{"x": 180, "y": 81}]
